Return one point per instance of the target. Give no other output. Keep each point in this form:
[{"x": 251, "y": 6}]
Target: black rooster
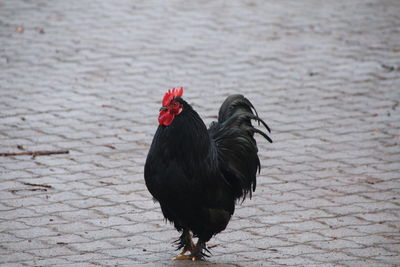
[{"x": 196, "y": 174}]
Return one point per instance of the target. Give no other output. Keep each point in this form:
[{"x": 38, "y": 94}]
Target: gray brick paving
[{"x": 88, "y": 76}]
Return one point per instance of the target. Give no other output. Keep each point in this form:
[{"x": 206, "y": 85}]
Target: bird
[{"x": 198, "y": 175}]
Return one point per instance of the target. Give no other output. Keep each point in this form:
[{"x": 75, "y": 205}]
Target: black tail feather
[
  {"x": 233, "y": 135},
  {"x": 263, "y": 134}
]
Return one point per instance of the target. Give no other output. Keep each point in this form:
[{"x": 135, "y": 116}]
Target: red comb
[{"x": 171, "y": 94}]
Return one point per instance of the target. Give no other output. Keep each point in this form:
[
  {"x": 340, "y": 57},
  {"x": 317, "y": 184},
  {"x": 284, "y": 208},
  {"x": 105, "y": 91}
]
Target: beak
[{"x": 163, "y": 108}]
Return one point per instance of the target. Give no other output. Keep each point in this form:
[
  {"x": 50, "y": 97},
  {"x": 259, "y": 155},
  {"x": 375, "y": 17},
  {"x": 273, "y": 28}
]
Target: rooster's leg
[
  {"x": 185, "y": 241},
  {"x": 200, "y": 251}
]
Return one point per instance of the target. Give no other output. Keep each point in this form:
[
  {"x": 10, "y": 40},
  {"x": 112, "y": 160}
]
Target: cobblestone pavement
[{"x": 89, "y": 76}]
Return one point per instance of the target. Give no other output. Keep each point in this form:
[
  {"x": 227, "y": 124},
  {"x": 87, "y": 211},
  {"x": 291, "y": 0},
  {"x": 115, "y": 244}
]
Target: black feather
[{"x": 237, "y": 148}]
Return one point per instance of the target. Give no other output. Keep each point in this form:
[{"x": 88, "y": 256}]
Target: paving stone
[{"x": 88, "y": 77}]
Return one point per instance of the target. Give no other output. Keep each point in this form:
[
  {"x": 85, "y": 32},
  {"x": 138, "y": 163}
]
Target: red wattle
[{"x": 165, "y": 117}]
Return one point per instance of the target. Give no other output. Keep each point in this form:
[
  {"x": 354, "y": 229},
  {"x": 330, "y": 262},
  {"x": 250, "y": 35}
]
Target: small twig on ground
[
  {"x": 28, "y": 189},
  {"x": 41, "y": 185},
  {"x": 41, "y": 189},
  {"x": 34, "y": 153}
]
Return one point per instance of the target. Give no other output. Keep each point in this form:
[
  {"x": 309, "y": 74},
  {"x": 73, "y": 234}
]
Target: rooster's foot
[{"x": 184, "y": 257}]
